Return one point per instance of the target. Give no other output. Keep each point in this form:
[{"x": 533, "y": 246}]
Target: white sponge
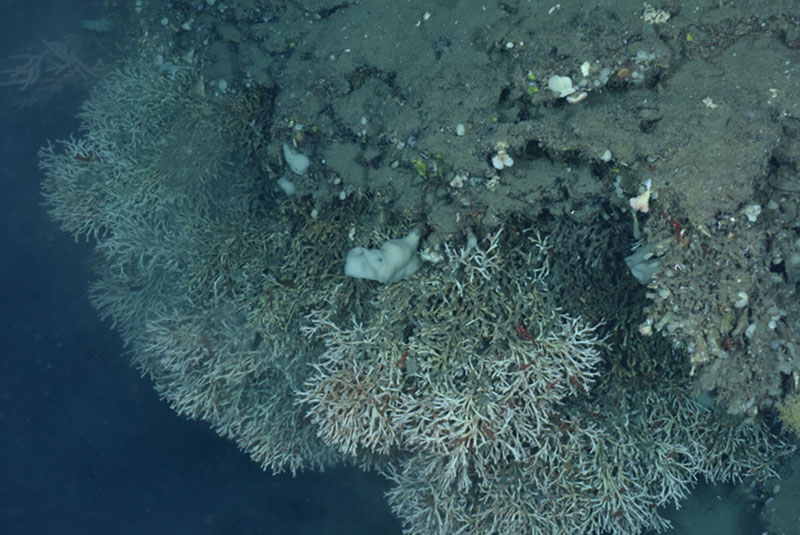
[{"x": 394, "y": 261}]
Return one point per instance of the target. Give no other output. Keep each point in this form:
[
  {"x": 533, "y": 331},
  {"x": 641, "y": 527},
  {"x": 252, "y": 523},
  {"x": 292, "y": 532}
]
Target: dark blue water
[{"x": 86, "y": 446}]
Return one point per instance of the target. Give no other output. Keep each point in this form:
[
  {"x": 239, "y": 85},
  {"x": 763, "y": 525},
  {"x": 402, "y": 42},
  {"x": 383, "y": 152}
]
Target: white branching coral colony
[
  {"x": 489, "y": 420},
  {"x": 490, "y": 408}
]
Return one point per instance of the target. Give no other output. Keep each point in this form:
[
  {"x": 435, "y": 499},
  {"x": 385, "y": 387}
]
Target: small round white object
[
  {"x": 342, "y": 195},
  {"x": 222, "y": 85},
  {"x": 460, "y": 129}
]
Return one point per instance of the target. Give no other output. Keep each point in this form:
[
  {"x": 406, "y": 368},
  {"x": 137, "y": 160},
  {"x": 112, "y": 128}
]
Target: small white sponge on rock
[
  {"x": 394, "y": 261},
  {"x": 298, "y": 162}
]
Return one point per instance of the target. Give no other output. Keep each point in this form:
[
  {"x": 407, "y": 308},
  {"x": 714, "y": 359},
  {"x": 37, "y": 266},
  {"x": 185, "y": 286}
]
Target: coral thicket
[{"x": 502, "y": 387}]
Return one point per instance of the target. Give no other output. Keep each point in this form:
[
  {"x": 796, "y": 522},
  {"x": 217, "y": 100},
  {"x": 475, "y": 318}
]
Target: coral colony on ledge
[{"x": 523, "y": 331}]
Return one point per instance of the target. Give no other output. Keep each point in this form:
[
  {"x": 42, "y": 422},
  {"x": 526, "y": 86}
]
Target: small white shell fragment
[
  {"x": 431, "y": 256},
  {"x": 750, "y": 330},
  {"x": 646, "y": 327},
  {"x": 577, "y": 97},
  {"x": 460, "y": 129},
  {"x": 752, "y": 212},
  {"x": 606, "y": 156},
  {"x": 651, "y": 15},
  {"x": 458, "y": 181},
  {"x": 742, "y": 300}
]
